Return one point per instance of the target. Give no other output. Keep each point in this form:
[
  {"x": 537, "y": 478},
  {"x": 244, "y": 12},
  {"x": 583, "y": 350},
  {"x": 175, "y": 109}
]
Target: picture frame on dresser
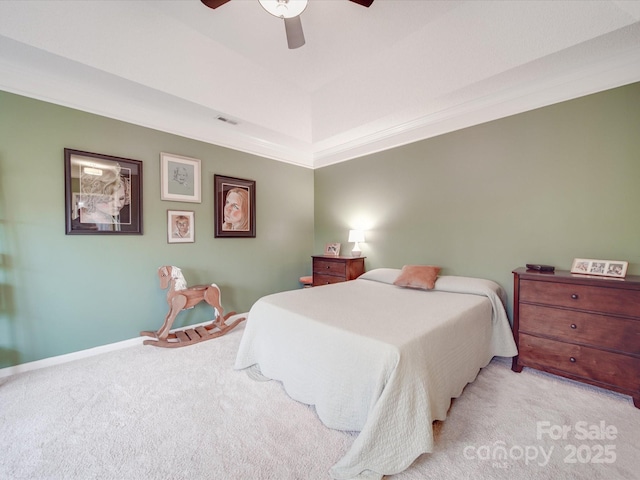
[{"x": 604, "y": 268}]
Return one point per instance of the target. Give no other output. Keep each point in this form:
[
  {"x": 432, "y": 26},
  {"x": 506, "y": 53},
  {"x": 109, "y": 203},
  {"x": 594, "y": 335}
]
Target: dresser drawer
[
  {"x": 327, "y": 267},
  {"x": 582, "y": 297},
  {"x": 319, "y": 279},
  {"x": 609, "y": 368},
  {"x": 614, "y": 333}
]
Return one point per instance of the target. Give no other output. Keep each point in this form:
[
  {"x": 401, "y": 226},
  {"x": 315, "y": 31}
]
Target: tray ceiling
[{"x": 368, "y": 79}]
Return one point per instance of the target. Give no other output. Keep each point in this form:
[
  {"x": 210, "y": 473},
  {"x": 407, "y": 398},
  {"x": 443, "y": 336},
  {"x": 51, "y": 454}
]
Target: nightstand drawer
[
  {"x": 619, "y": 334},
  {"x": 319, "y": 279},
  {"x": 327, "y": 267},
  {"x": 582, "y": 297},
  {"x": 613, "y": 369}
]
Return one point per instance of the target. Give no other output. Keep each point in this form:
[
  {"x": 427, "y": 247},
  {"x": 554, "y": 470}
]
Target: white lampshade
[
  {"x": 356, "y": 236},
  {"x": 284, "y": 8}
]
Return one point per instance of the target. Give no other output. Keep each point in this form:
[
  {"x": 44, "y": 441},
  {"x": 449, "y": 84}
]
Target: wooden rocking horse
[{"x": 180, "y": 297}]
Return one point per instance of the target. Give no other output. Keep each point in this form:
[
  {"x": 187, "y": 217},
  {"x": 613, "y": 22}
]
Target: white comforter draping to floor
[{"x": 378, "y": 359}]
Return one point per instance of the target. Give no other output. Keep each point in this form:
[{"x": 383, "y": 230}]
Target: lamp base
[{"x": 355, "y": 253}]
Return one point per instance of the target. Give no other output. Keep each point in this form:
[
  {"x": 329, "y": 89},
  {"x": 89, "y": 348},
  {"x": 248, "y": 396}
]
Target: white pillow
[{"x": 383, "y": 275}]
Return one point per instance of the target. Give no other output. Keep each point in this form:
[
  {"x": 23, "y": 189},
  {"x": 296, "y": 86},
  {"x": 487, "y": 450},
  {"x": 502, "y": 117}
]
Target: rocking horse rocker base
[
  {"x": 179, "y": 298},
  {"x": 190, "y": 336}
]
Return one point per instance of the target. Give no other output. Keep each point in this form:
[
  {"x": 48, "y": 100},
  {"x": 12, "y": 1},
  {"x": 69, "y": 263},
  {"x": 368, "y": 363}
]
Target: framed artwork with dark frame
[
  {"x": 234, "y": 207},
  {"x": 180, "y": 178},
  {"x": 604, "y": 268},
  {"x": 181, "y": 226},
  {"x": 103, "y": 194}
]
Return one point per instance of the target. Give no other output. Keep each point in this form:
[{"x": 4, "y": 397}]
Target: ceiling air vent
[{"x": 226, "y": 120}]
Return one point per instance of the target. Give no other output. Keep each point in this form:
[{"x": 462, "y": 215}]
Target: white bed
[{"x": 378, "y": 359}]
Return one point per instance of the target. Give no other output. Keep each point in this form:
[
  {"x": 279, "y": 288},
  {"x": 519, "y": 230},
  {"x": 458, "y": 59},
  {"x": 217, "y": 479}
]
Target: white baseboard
[
  {"x": 90, "y": 352},
  {"x": 69, "y": 357}
]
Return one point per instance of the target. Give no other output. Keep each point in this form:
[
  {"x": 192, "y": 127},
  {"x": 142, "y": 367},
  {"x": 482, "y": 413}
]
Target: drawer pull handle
[
  {"x": 574, "y": 296},
  {"x": 574, "y": 326},
  {"x": 572, "y": 359}
]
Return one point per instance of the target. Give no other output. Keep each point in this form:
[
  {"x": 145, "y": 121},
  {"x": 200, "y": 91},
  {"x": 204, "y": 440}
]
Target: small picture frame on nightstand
[{"x": 332, "y": 249}]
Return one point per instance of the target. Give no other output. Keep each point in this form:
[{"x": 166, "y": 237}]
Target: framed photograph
[
  {"x": 332, "y": 249},
  {"x": 180, "y": 178},
  {"x": 234, "y": 207},
  {"x": 103, "y": 194},
  {"x": 605, "y": 268},
  {"x": 181, "y": 226}
]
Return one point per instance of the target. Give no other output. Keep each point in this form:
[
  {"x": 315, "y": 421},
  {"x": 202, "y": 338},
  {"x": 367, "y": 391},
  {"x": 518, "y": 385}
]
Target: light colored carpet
[{"x": 151, "y": 413}]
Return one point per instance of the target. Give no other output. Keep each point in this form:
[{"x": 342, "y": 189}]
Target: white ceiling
[{"x": 367, "y": 79}]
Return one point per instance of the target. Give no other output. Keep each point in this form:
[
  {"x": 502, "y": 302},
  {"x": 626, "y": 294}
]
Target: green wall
[
  {"x": 544, "y": 186},
  {"x": 61, "y": 294}
]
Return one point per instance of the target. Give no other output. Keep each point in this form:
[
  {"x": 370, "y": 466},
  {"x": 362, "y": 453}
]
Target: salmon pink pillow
[{"x": 418, "y": 276}]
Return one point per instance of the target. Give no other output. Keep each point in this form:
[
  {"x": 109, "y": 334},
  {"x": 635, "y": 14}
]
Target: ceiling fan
[{"x": 290, "y": 11}]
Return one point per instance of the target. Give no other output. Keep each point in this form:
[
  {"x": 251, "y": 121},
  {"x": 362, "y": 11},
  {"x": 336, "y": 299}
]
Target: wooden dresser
[
  {"x": 327, "y": 269},
  {"x": 581, "y": 327}
]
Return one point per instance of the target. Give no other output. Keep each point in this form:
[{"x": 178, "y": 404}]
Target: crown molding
[
  {"x": 616, "y": 71},
  {"x": 28, "y": 72}
]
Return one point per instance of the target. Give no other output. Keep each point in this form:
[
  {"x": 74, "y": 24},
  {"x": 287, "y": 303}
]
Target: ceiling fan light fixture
[{"x": 284, "y": 8}]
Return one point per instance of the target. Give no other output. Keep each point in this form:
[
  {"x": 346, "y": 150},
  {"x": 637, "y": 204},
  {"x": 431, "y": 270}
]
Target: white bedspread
[{"x": 378, "y": 359}]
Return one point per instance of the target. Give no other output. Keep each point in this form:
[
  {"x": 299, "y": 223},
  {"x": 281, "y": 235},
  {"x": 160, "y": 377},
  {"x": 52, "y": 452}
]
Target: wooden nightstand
[
  {"x": 581, "y": 327},
  {"x": 327, "y": 269}
]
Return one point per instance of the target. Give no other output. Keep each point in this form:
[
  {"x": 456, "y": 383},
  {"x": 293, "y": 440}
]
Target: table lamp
[{"x": 356, "y": 236}]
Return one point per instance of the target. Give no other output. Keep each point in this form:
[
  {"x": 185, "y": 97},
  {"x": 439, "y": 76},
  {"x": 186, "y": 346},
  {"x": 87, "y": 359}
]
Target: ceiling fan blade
[
  {"x": 364, "y": 3},
  {"x": 214, "y": 3},
  {"x": 295, "y": 35}
]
